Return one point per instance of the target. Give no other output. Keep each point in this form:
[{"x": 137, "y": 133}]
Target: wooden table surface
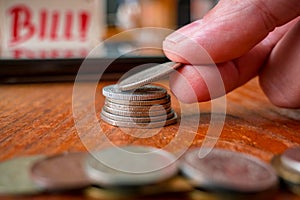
[{"x": 38, "y": 119}]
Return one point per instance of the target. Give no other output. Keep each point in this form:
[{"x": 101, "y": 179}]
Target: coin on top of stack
[{"x": 148, "y": 106}]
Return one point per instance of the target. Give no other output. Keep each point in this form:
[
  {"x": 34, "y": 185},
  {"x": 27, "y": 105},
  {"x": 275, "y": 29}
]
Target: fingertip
[
  {"x": 188, "y": 86},
  {"x": 170, "y": 53}
]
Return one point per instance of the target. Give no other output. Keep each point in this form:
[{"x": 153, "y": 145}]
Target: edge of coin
[
  {"x": 283, "y": 172},
  {"x": 158, "y": 118},
  {"x": 124, "y": 85},
  {"x": 31, "y": 187},
  {"x": 52, "y": 184},
  {"x": 156, "y": 124},
  {"x": 112, "y": 179},
  {"x": 202, "y": 182}
]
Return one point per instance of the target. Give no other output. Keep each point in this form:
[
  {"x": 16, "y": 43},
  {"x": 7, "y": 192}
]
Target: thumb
[{"x": 229, "y": 30}]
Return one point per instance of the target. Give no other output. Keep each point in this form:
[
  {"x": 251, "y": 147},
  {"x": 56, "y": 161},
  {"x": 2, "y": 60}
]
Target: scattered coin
[
  {"x": 148, "y": 76},
  {"x": 147, "y": 92},
  {"x": 290, "y": 178},
  {"x": 130, "y": 166},
  {"x": 132, "y": 119},
  {"x": 160, "y": 101},
  {"x": 283, "y": 172},
  {"x": 228, "y": 171},
  {"x": 61, "y": 172},
  {"x": 15, "y": 178},
  {"x": 291, "y": 158},
  {"x": 153, "y": 124}
]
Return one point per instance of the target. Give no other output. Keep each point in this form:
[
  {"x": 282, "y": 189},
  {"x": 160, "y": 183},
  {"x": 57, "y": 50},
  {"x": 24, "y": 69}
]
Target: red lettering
[
  {"x": 69, "y": 53},
  {"x": 22, "y": 28},
  {"x": 17, "y": 53},
  {"x": 43, "y": 24},
  {"x": 48, "y": 53},
  {"x": 54, "y": 26},
  {"x": 68, "y": 27},
  {"x": 84, "y": 20}
]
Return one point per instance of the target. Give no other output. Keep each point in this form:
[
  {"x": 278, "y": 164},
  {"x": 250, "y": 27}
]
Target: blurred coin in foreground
[
  {"x": 61, "y": 172},
  {"x": 130, "y": 166},
  {"x": 291, "y": 158},
  {"x": 223, "y": 170},
  {"x": 290, "y": 178},
  {"x": 283, "y": 172},
  {"x": 15, "y": 177}
]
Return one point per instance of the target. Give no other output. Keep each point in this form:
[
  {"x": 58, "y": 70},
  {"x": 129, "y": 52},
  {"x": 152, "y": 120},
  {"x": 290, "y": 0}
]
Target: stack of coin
[
  {"x": 287, "y": 166},
  {"x": 148, "y": 106}
]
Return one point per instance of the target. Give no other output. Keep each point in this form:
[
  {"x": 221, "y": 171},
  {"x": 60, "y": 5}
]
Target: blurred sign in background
[
  {"x": 50, "y": 28},
  {"x": 70, "y": 28},
  {"x": 47, "y": 40}
]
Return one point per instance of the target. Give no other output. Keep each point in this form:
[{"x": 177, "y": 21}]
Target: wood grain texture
[{"x": 38, "y": 119}]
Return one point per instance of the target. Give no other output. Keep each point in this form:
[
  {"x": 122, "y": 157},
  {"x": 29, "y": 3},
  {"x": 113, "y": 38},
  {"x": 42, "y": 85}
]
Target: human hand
[{"x": 245, "y": 39}]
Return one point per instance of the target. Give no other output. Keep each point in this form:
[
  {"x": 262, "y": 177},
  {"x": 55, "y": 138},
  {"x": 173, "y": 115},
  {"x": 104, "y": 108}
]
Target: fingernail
[{"x": 184, "y": 33}]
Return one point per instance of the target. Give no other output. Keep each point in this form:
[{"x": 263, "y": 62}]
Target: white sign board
[{"x": 50, "y": 28}]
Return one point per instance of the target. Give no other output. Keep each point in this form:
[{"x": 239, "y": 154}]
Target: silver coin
[
  {"x": 229, "y": 171},
  {"x": 135, "y": 113},
  {"x": 291, "y": 158},
  {"x": 61, "y": 172},
  {"x": 15, "y": 177},
  {"x": 130, "y": 166},
  {"x": 147, "y": 92},
  {"x": 156, "y": 124},
  {"x": 163, "y": 100},
  {"x": 131, "y": 108},
  {"x": 286, "y": 174},
  {"x": 147, "y": 76},
  {"x": 105, "y": 114}
]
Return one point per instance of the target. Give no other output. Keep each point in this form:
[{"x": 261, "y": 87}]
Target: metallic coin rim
[
  {"x": 147, "y": 76},
  {"x": 51, "y": 183},
  {"x": 283, "y": 172},
  {"x": 203, "y": 179},
  {"x": 137, "y": 114},
  {"x": 157, "y": 124},
  {"x": 288, "y": 161},
  {"x": 134, "y": 108},
  {"x": 137, "y": 119},
  {"x": 108, "y": 91},
  {"x": 105, "y": 179},
  {"x": 24, "y": 164},
  {"x": 163, "y": 100}
]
